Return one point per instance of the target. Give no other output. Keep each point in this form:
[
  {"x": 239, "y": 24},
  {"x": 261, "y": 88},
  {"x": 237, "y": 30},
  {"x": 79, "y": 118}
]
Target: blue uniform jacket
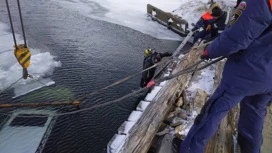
[{"x": 247, "y": 43}]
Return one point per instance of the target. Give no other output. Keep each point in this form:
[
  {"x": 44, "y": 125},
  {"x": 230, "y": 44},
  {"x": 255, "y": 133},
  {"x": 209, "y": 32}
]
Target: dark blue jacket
[
  {"x": 205, "y": 20},
  {"x": 248, "y": 45}
]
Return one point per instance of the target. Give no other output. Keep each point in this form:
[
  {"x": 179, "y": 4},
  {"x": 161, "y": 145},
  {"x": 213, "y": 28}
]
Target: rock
[
  {"x": 178, "y": 129},
  {"x": 200, "y": 99},
  {"x": 180, "y": 102},
  {"x": 174, "y": 113},
  {"x": 163, "y": 132},
  {"x": 168, "y": 120},
  {"x": 177, "y": 121},
  {"x": 185, "y": 97},
  {"x": 182, "y": 115}
]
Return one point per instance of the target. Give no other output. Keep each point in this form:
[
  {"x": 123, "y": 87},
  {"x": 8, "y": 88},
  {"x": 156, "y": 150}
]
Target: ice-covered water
[{"x": 41, "y": 67}]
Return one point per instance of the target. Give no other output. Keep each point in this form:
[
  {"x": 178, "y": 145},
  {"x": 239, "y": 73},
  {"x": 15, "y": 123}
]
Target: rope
[
  {"x": 11, "y": 24},
  {"x": 131, "y": 76},
  {"x": 189, "y": 70},
  {"x": 10, "y": 85},
  {"x": 115, "y": 83},
  {"x": 186, "y": 70},
  {"x": 47, "y": 86},
  {"x": 21, "y": 19}
]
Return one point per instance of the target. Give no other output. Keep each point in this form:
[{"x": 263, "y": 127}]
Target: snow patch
[
  {"x": 134, "y": 116},
  {"x": 204, "y": 81},
  {"x": 142, "y": 105},
  {"x": 163, "y": 83},
  {"x": 150, "y": 96},
  {"x": 117, "y": 143},
  {"x": 128, "y": 126},
  {"x": 133, "y": 14},
  {"x": 42, "y": 65}
]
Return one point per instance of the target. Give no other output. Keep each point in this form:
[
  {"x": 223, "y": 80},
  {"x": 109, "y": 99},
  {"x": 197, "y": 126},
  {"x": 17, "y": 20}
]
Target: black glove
[{"x": 194, "y": 29}]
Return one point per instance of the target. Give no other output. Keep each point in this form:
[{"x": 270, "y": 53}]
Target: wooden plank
[{"x": 140, "y": 137}]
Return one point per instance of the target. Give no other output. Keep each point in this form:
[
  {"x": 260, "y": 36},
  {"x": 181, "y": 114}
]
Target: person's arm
[
  {"x": 246, "y": 25},
  {"x": 200, "y": 23},
  {"x": 166, "y": 54}
]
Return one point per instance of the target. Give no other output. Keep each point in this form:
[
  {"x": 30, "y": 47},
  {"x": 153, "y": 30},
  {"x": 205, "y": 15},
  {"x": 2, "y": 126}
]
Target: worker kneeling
[{"x": 213, "y": 22}]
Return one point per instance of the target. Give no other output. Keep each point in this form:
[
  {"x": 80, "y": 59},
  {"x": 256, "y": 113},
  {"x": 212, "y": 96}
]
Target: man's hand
[
  {"x": 194, "y": 29},
  {"x": 209, "y": 27},
  {"x": 150, "y": 84},
  {"x": 205, "y": 55}
]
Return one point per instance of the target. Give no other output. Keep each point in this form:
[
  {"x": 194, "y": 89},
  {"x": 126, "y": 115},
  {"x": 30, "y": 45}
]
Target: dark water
[{"x": 93, "y": 54}]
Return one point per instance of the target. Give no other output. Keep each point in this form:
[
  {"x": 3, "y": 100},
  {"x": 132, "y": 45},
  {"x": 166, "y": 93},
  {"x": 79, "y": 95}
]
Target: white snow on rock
[
  {"x": 142, "y": 105},
  {"x": 204, "y": 81},
  {"x": 117, "y": 143},
  {"x": 134, "y": 116},
  {"x": 163, "y": 83},
  {"x": 128, "y": 126},
  {"x": 150, "y": 96}
]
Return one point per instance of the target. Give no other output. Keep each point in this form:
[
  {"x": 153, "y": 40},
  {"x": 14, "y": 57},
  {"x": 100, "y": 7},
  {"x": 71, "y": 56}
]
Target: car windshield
[{"x": 29, "y": 120}]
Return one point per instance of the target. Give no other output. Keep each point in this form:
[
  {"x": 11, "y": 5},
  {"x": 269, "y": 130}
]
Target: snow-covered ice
[
  {"x": 134, "y": 116},
  {"x": 42, "y": 65},
  {"x": 150, "y": 96},
  {"x": 132, "y": 14},
  {"x": 142, "y": 105},
  {"x": 117, "y": 142},
  {"x": 204, "y": 81},
  {"x": 128, "y": 126}
]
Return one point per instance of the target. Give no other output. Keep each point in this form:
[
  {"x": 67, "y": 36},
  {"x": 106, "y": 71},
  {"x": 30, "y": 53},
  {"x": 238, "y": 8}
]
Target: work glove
[
  {"x": 205, "y": 55},
  {"x": 208, "y": 28},
  {"x": 151, "y": 83},
  {"x": 194, "y": 29}
]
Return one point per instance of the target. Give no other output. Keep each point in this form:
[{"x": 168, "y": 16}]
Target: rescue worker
[
  {"x": 247, "y": 78},
  {"x": 149, "y": 61},
  {"x": 147, "y": 52},
  {"x": 212, "y": 22}
]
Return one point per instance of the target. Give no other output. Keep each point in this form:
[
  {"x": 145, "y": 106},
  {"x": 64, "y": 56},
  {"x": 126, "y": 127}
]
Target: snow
[
  {"x": 132, "y": 14},
  {"x": 118, "y": 141},
  {"x": 163, "y": 83},
  {"x": 166, "y": 74},
  {"x": 150, "y": 96},
  {"x": 134, "y": 116},
  {"x": 142, "y": 105},
  {"x": 191, "y": 10},
  {"x": 188, "y": 124},
  {"x": 128, "y": 126},
  {"x": 204, "y": 81},
  {"x": 42, "y": 64}
]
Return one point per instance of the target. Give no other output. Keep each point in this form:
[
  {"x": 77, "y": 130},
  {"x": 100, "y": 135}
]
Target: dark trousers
[
  {"x": 250, "y": 125},
  {"x": 206, "y": 35},
  {"x": 147, "y": 75}
]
